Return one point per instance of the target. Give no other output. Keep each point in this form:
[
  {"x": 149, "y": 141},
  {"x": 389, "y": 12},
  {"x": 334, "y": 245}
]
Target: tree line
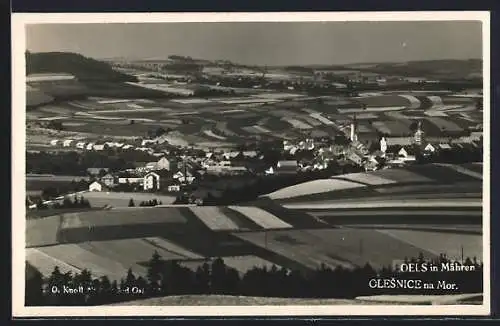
[
  {"x": 75, "y": 163},
  {"x": 145, "y": 203},
  {"x": 166, "y": 278},
  {"x": 77, "y": 202}
]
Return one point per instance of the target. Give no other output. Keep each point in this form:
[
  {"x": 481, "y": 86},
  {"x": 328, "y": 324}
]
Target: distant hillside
[
  {"x": 438, "y": 69},
  {"x": 84, "y": 69},
  {"x": 444, "y": 69},
  {"x": 93, "y": 78}
]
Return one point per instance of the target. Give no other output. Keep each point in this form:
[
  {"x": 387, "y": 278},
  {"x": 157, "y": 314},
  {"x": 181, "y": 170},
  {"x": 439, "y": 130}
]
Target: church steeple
[
  {"x": 354, "y": 124},
  {"x": 419, "y": 134}
]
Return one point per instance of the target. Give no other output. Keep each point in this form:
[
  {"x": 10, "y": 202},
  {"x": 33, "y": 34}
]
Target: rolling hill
[
  {"x": 83, "y": 68},
  {"x": 91, "y": 78}
]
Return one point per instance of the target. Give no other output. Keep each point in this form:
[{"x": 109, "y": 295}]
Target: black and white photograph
[{"x": 242, "y": 164}]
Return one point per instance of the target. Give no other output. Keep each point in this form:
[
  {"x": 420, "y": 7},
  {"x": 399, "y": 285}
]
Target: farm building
[
  {"x": 109, "y": 180},
  {"x": 184, "y": 176},
  {"x": 399, "y": 141},
  {"x": 430, "y": 148},
  {"x": 284, "y": 167},
  {"x": 80, "y": 145},
  {"x": 98, "y": 186},
  {"x": 54, "y": 142},
  {"x": 407, "y": 153},
  {"x": 156, "y": 180},
  {"x": 100, "y": 147},
  {"x": 67, "y": 142}
]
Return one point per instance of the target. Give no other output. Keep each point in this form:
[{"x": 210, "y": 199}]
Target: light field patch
[
  {"x": 172, "y": 247},
  {"x": 314, "y": 187},
  {"x": 436, "y": 243},
  {"x": 214, "y": 218},
  {"x": 261, "y": 217},
  {"x": 210, "y": 133},
  {"x": 414, "y": 102},
  {"x": 297, "y": 123},
  {"x": 74, "y": 255},
  {"x": 192, "y": 101},
  {"x": 370, "y": 179},
  {"x": 322, "y": 119},
  {"x": 45, "y": 263}
]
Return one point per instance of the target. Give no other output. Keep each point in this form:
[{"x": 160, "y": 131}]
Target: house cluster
[
  {"x": 228, "y": 163},
  {"x": 146, "y": 145},
  {"x": 172, "y": 173},
  {"x": 89, "y": 146},
  {"x": 399, "y": 151},
  {"x": 166, "y": 173},
  {"x": 392, "y": 151}
]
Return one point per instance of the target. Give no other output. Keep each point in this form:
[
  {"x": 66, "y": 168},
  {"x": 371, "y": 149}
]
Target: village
[{"x": 193, "y": 174}]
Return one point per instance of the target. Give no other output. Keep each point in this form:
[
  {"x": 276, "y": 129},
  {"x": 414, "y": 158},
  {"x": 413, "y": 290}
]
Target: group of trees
[
  {"x": 145, "y": 203},
  {"x": 77, "y": 202},
  {"x": 171, "y": 278},
  {"x": 77, "y": 163}
]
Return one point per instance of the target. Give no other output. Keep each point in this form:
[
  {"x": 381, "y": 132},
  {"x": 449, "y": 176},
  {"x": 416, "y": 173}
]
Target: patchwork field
[
  {"x": 420, "y": 179},
  {"x": 111, "y": 241},
  {"x": 334, "y": 247},
  {"x": 270, "y": 114}
]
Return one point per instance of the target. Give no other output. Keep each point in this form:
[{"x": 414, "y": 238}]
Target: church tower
[
  {"x": 354, "y": 135},
  {"x": 383, "y": 145},
  {"x": 419, "y": 134}
]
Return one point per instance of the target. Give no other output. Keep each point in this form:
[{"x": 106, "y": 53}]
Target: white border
[{"x": 18, "y": 167}]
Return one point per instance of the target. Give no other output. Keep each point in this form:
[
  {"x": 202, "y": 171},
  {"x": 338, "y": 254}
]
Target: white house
[
  {"x": 67, "y": 142},
  {"x": 96, "y": 186},
  {"x": 287, "y": 145},
  {"x": 270, "y": 170},
  {"x": 54, "y": 142},
  {"x": 174, "y": 188},
  {"x": 90, "y": 146},
  {"x": 80, "y": 145},
  {"x": 151, "y": 181},
  {"x": 444, "y": 146},
  {"x": 429, "y": 148},
  {"x": 180, "y": 177},
  {"x": 250, "y": 153}
]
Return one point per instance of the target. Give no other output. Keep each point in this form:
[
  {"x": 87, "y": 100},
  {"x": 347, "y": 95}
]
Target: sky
[{"x": 268, "y": 43}]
